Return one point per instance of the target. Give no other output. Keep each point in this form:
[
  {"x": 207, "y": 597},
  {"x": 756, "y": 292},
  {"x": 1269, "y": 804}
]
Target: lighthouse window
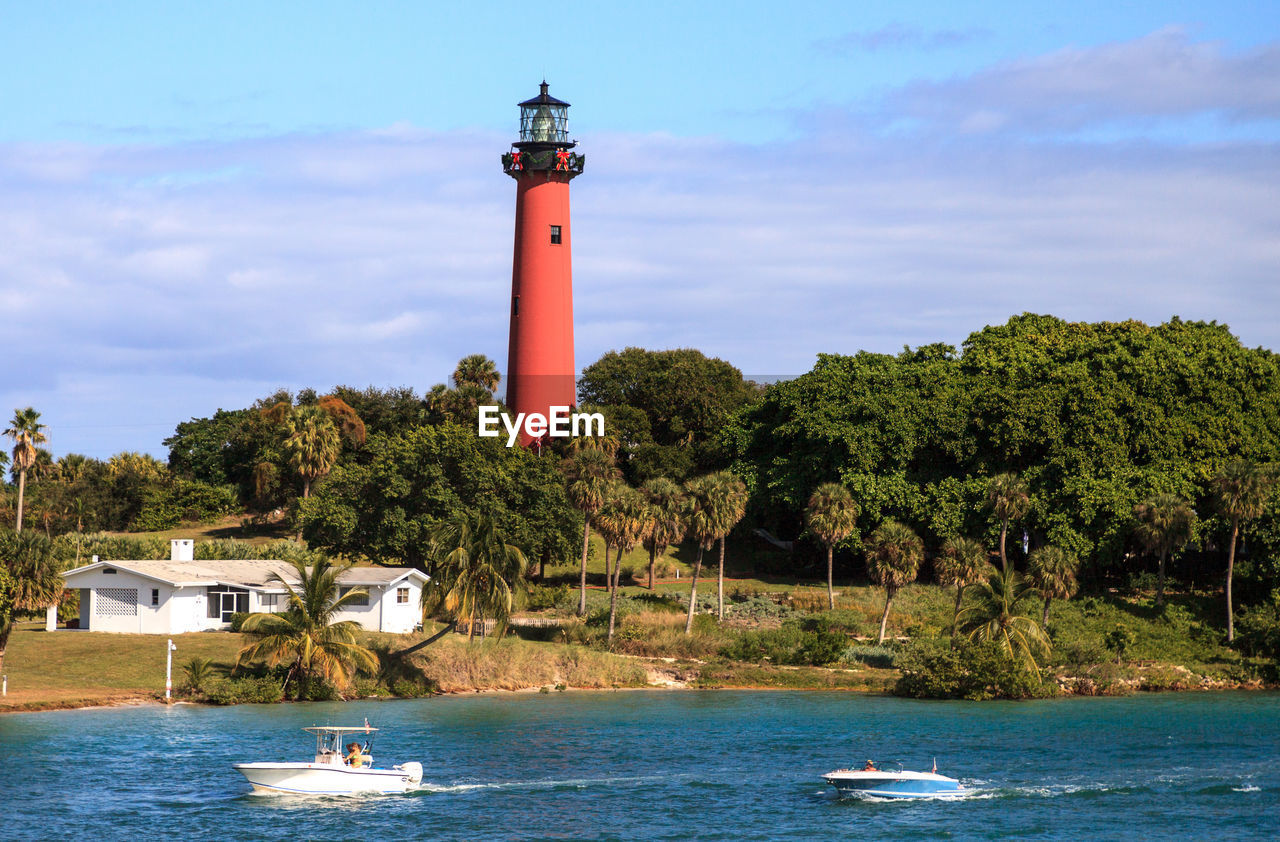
[
  {"x": 515, "y": 305},
  {"x": 555, "y": 235}
]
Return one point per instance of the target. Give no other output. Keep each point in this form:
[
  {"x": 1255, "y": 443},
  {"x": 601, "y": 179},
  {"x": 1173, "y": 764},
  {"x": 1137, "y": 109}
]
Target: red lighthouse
[{"x": 540, "y": 370}]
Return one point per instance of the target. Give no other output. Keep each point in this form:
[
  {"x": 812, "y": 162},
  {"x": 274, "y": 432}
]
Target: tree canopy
[{"x": 1093, "y": 417}]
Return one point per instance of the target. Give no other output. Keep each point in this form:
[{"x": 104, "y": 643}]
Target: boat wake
[{"x": 427, "y": 787}]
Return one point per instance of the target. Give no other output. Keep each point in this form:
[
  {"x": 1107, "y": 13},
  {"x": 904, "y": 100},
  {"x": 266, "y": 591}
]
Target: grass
[
  {"x": 232, "y": 526},
  {"x": 75, "y": 669},
  {"x": 513, "y": 664}
]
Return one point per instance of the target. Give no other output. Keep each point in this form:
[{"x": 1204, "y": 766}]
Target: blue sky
[{"x": 204, "y": 203}]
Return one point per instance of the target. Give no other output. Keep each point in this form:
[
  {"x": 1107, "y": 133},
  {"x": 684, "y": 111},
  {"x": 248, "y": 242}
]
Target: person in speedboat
[
  {"x": 355, "y": 757},
  {"x": 870, "y": 767}
]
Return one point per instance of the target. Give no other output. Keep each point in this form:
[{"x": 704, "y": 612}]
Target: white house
[{"x": 182, "y": 595}]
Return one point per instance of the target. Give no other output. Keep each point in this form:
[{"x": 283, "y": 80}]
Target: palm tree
[
  {"x": 666, "y": 518},
  {"x": 621, "y": 521},
  {"x": 1241, "y": 490},
  {"x": 999, "y": 614},
  {"x": 963, "y": 562},
  {"x": 896, "y": 552},
  {"x": 477, "y": 370},
  {"x": 198, "y": 671},
  {"x": 1009, "y": 500},
  {"x": 34, "y": 582},
  {"x": 832, "y": 516},
  {"x": 25, "y": 430},
  {"x": 588, "y": 475},
  {"x": 731, "y": 500},
  {"x": 305, "y": 634},
  {"x": 1052, "y": 573},
  {"x": 1164, "y": 525},
  {"x": 702, "y": 516},
  {"x": 476, "y": 574},
  {"x": 313, "y": 444}
]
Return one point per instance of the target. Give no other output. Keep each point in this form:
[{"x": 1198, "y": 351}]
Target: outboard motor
[{"x": 412, "y": 769}]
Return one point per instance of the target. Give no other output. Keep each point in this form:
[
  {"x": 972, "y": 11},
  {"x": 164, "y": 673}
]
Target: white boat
[
  {"x": 870, "y": 782},
  {"x": 331, "y": 773}
]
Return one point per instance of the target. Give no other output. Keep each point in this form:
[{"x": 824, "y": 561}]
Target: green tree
[
  {"x": 998, "y": 613},
  {"x": 832, "y": 516},
  {"x": 7, "y": 611},
  {"x": 26, "y": 431},
  {"x": 476, "y": 574},
  {"x": 670, "y": 407},
  {"x": 666, "y": 516},
  {"x": 1052, "y": 572},
  {"x": 477, "y": 370},
  {"x": 1164, "y": 524},
  {"x": 589, "y": 474},
  {"x": 1009, "y": 499},
  {"x": 1241, "y": 490},
  {"x": 731, "y": 505},
  {"x": 385, "y": 505},
  {"x": 896, "y": 553},
  {"x": 29, "y": 580},
  {"x": 312, "y": 443},
  {"x": 305, "y": 634},
  {"x": 621, "y": 521},
  {"x": 963, "y": 562},
  {"x": 704, "y": 518}
]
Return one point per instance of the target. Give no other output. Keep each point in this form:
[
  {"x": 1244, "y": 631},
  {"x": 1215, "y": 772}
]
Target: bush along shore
[{"x": 783, "y": 639}]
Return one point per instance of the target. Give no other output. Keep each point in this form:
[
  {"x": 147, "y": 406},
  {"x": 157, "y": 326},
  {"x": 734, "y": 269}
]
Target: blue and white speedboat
[{"x": 871, "y": 782}]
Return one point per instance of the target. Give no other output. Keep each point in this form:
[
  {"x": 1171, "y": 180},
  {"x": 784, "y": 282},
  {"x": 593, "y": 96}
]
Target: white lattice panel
[{"x": 116, "y": 602}]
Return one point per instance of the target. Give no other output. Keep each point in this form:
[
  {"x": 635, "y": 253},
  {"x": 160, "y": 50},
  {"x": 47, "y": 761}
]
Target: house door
[{"x": 228, "y": 606}]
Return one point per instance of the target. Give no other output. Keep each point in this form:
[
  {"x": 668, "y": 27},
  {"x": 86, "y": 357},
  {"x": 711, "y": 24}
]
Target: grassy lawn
[
  {"x": 71, "y": 669},
  {"x": 232, "y": 526}
]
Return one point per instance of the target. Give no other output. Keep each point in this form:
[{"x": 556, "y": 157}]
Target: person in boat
[
  {"x": 870, "y": 767},
  {"x": 355, "y": 757}
]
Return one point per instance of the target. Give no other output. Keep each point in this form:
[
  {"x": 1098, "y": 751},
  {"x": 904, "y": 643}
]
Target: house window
[
  {"x": 109, "y": 571},
  {"x": 155, "y": 596},
  {"x": 116, "y": 602},
  {"x": 402, "y": 596},
  {"x": 361, "y": 598},
  {"x": 555, "y": 235},
  {"x": 269, "y": 601},
  {"x": 223, "y": 601}
]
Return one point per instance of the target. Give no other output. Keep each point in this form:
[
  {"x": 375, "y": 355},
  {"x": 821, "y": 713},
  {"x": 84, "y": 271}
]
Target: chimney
[{"x": 182, "y": 549}]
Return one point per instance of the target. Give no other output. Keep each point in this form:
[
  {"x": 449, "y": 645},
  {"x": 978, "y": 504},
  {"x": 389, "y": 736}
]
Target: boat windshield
[{"x": 330, "y": 741}]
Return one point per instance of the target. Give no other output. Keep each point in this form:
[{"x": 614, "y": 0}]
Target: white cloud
[
  {"x": 137, "y": 295},
  {"x": 1163, "y": 75}
]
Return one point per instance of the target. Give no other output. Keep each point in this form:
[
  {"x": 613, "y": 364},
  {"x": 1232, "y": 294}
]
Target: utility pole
[{"x": 168, "y": 670}]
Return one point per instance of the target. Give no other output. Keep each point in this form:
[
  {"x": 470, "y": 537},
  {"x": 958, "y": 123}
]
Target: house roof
[{"x": 245, "y": 573}]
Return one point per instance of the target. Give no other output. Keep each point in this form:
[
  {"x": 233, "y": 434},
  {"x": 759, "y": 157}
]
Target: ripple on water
[{"x": 738, "y": 766}]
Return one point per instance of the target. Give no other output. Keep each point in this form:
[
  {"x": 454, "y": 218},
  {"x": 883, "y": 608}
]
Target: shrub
[
  {"x": 237, "y": 620},
  {"x": 1258, "y": 631},
  {"x": 807, "y": 641},
  {"x": 198, "y": 671},
  {"x": 544, "y": 597},
  {"x": 313, "y": 688},
  {"x": 238, "y": 691},
  {"x": 931, "y": 669},
  {"x": 408, "y": 688},
  {"x": 877, "y": 657},
  {"x": 367, "y": 688}
]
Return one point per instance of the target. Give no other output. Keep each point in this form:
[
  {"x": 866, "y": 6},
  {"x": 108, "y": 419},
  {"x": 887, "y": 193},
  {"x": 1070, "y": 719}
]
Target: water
[{"x": 661, "y": 765}]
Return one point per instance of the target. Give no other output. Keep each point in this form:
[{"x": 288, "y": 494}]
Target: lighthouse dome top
[{"x": 544, "y": 119}]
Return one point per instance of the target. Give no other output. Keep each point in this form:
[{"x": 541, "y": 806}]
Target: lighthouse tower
[{"x": 540, "y": 370}]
